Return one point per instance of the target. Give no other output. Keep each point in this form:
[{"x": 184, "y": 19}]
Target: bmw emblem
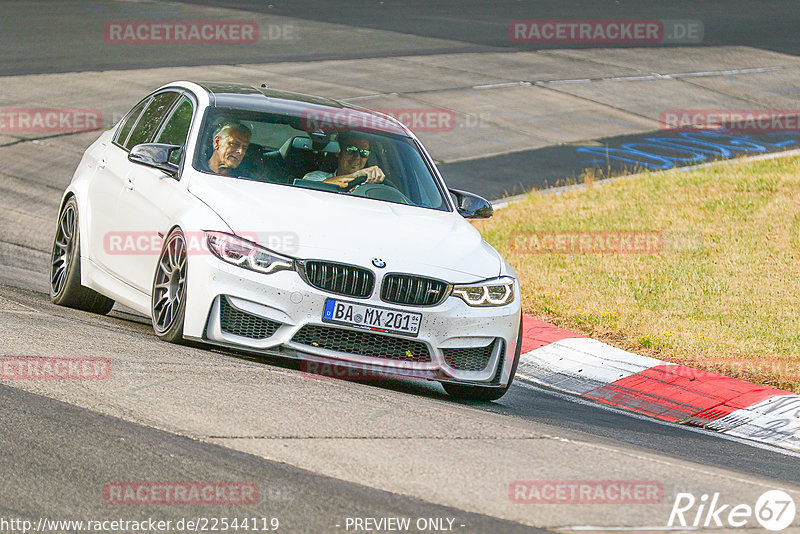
[{"x": 379, "y": 263}]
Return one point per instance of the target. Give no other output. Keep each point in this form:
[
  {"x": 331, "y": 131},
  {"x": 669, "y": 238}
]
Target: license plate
[{"x": 371, "y": 317}]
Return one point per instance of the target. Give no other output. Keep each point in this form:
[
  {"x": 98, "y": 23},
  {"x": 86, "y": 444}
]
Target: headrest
[{"x": 304, "y": 144}]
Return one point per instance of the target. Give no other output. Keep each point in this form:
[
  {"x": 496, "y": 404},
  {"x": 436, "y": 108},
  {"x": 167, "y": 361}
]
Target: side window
[
  {"x": 125, "y": 129},
  {"x": 176, "y": 129},
  {"x": 151, "y": 118}
]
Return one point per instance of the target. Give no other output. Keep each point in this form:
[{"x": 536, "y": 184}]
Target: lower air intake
[
  {"x": 363, "y": 343},
  {"x": 471, "y": 359},
  {"x": 239, "y": 323}
]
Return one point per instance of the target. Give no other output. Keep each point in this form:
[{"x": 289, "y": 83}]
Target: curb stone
[{"x": 582, "y": 366}]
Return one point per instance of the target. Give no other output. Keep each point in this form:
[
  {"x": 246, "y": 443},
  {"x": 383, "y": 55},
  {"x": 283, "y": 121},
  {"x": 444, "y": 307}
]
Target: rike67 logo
[{"x": 774, "y": 510}]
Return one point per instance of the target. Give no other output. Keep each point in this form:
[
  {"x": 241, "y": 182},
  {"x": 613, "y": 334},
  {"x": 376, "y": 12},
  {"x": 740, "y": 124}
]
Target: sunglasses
[{"x": 364, "y": 153}]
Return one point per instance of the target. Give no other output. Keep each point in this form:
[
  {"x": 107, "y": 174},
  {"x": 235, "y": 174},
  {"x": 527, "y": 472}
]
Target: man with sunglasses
[{"x": 353, "y": 154}]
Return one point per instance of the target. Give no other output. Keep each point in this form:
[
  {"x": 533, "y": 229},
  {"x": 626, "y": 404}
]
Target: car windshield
[{"x": 298, "y": 152}]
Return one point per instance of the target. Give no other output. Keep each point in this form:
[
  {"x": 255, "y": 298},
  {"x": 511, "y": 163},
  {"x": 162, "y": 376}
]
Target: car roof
[{"x": 243, "y": 96}]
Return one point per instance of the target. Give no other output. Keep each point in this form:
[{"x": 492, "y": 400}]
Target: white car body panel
[{"x": 350, "y": 229}]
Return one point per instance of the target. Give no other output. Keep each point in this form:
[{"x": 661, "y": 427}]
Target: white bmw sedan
[{"x": 289, "y": 225}]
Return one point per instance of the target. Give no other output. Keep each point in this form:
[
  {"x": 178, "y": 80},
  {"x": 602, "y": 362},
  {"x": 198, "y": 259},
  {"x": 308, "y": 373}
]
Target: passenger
[
  {"x": 230, "y": 145},
  {"x": 353, "y": 153}
]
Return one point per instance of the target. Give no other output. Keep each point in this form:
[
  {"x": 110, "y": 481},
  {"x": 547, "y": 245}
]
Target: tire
[
  {"x": 168, "y": 298},
  {"x": 483, "y": 393},
  {"x": 65, "y": 267}
]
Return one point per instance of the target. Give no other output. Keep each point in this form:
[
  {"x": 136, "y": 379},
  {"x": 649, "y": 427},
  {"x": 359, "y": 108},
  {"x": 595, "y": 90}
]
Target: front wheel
[
  {"x": 65, "y": 267},
  {"x": 168, "y": 301},
  {"x": 483, "y": 393}
]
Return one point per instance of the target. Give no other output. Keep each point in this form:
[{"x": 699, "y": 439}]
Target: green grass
[{"x": 722, "y": 295}]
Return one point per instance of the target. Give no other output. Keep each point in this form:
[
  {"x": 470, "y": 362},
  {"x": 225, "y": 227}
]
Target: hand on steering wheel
[
  {"x": 370, "y": 175},
  {"x": 374, "y": 174},
  {"x": 355, "y": 182}
]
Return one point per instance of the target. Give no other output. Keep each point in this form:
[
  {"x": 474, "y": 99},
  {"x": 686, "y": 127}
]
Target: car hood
[{"x": 311, "y": 224}]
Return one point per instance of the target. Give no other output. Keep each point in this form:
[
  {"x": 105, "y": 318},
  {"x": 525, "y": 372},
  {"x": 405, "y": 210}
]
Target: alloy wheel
[
  {"x": 62, "y": 250},
  {"x": 169, "y": 289}
]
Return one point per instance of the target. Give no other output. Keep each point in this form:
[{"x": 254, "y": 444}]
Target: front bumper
[{"x": 280, "y": 314}]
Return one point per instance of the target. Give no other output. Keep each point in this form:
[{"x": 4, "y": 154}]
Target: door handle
[
  {"x": 101, "y": 164},
  {"x": 128, "y": 183}
]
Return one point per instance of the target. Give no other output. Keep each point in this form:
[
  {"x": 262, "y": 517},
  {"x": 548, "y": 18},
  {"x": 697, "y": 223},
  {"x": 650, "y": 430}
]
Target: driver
[
  {"x": 230, "y": 145},
  {"x": 353, "y": 153}
]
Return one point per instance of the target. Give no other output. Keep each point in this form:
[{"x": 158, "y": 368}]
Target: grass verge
[{"x": 700, "y": 268}]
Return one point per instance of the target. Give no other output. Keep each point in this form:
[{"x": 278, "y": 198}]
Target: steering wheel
[
  {"x": 355, "y": 183},
  {"x": 382, "y": 192},
  {"x": 361, "y": 179},
  {"x": 388, "y": 181}
]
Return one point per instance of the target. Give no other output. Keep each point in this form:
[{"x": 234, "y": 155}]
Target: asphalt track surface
[
  {"x": 531, "y": 403},
  {"x": 58, "y": 458},
  {"x": 471, "y": 25},
  {"x": 498, "y": 176},
  {"x": 321, "y": 450}
]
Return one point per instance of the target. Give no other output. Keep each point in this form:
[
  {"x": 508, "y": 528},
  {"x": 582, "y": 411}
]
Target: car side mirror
[
  {"x": 470, "y": 205},
  {"x": 155, "y": 155}
]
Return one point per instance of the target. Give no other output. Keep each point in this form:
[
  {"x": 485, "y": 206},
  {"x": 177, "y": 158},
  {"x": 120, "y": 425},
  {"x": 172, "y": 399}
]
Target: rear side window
[
  {"x": 151, "y": 118},
  {"x": 176, "y": 129},
  {"x": 125, "y": 129}
]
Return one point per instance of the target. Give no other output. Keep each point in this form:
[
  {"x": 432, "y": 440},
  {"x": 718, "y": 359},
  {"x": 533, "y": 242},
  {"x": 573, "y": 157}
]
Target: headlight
[
  {"x": 246, "y": 254},
  {"x": 495, "y": 292}
]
